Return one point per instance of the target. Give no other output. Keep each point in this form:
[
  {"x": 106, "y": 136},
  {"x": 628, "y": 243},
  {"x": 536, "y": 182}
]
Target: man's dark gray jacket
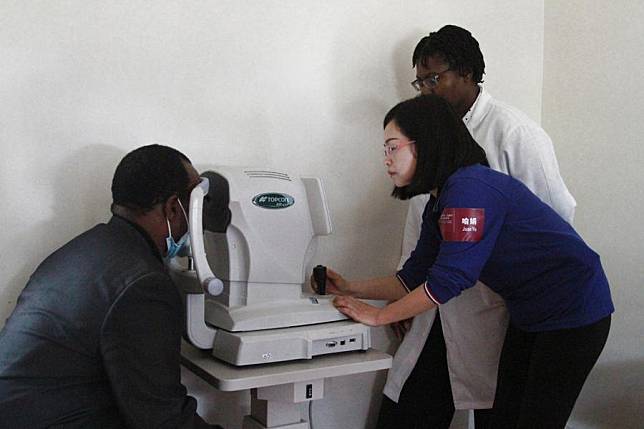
[{"x": 94, "y": 339}]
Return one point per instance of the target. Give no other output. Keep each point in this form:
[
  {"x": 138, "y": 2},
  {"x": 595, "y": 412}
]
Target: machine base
[
  {"x": 251, "y": 423},
  {"x": 300, "y": 342}
]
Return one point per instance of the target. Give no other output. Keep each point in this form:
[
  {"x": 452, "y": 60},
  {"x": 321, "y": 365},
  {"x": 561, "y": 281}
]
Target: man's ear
[
  {"x": 171, "y": 208},
  {"x": 467, "y": 76}
]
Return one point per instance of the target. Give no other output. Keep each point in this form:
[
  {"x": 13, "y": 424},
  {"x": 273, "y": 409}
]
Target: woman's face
[{"x": 400, "y": 155}]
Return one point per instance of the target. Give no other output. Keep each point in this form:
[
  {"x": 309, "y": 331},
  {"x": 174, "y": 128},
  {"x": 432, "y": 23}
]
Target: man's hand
[{"x": 357, "y": 310}]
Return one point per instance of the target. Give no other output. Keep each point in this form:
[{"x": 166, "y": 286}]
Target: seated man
[{"x": 94, "y": 340}]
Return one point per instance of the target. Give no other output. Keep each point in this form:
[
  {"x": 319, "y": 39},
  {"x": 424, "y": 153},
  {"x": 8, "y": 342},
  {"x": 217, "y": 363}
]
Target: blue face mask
[{"x": 175, "y": 247}]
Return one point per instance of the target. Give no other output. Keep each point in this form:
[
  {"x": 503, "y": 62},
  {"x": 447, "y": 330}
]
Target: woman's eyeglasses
[{"x": 390, "y": 149}]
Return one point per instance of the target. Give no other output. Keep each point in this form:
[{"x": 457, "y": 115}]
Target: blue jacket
[{"x": 486, "y": 225}]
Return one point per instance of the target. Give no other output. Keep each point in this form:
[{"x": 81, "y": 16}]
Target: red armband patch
[{"x": 460, "y": 224}]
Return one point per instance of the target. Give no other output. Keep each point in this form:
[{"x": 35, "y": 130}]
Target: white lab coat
[{"x": 474, "y": 323}]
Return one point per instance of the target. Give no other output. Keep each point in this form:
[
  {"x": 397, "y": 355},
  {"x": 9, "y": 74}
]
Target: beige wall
[
  {"x": 592, "y": 107},
  {"x": 300, "y": 85}
]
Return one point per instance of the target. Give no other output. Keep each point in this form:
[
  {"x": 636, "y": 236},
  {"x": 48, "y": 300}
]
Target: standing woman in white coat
[{"x": 449, "y": 358}]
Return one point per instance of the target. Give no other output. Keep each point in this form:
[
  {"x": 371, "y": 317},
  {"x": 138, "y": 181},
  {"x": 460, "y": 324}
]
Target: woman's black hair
[
  {"x": 457, "y": 47},
  {"x": 149, "y": 175},
  {"x": 443, "y": 144}
]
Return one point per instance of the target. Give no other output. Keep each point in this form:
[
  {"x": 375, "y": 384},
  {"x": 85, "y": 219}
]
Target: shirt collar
[
  {"x": 477, "y": 111},
  {"x": 143, "y": 232}
]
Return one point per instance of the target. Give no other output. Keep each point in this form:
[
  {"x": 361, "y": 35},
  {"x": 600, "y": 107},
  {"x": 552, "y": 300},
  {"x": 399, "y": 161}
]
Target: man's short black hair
[
  {"x": 456, "y": 46},
  {"x": 148, "y": 176},
  {"x": 442, "y": 142}
]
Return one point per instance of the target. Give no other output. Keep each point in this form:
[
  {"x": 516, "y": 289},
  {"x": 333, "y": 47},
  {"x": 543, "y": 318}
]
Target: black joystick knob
[{"x": 319, "y": 275}]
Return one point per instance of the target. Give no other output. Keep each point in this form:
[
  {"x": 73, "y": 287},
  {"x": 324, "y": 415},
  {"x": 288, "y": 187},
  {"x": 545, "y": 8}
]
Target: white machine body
[{"x": 247, "y": 298}]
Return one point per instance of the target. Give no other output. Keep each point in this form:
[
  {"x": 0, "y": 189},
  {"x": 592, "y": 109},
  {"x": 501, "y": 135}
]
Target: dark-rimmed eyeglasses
[{"x": 429, "y": 81}]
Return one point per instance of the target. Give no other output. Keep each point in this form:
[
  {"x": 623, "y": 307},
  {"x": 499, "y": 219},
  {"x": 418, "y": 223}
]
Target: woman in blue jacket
[{"x": 482, "y": 224}]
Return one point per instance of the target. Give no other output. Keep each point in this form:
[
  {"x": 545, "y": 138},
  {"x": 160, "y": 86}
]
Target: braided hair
[{"x": 457, "y": 47}]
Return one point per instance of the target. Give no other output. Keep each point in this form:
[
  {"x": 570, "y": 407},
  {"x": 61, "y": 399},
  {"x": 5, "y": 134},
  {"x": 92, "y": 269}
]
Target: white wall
[
  {"x": 592, "y": 107},
  {"x": 299, "y": 85}
]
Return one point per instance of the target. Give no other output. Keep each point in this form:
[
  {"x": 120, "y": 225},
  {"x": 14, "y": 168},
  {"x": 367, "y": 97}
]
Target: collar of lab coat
[{"x": 479, "y": 109}]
